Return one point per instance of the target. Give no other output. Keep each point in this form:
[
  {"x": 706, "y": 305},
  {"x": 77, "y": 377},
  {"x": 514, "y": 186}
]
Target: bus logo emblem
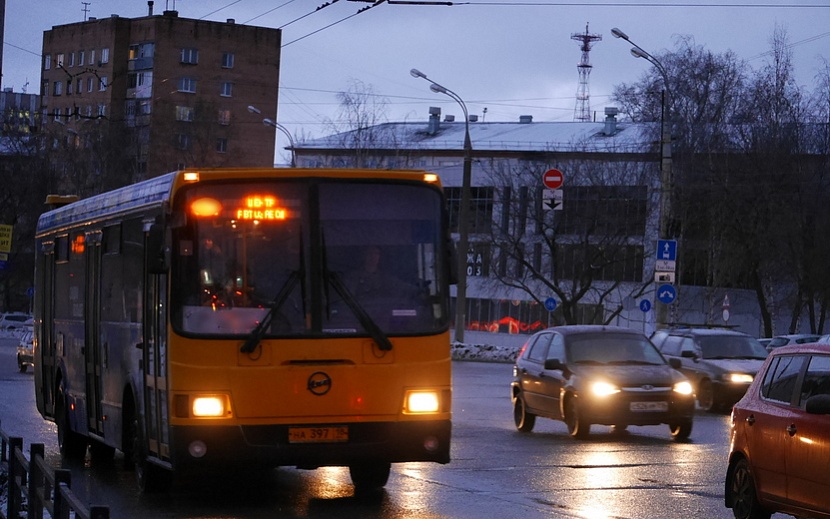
[{"x": 319, "y": 383}]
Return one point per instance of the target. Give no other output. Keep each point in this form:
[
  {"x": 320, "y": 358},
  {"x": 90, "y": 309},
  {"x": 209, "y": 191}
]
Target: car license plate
[
  {"x": 649, "y": 406},
  {"x": 332, "y": 434}
]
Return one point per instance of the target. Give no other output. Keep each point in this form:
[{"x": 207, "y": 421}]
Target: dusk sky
[{"x": 510, "y": 58}]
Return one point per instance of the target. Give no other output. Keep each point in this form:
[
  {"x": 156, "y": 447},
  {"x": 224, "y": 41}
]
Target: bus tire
[
  {"x": 369, "y": 477},
  {"x": 150, "y": 478},
  {"x": 100, "y": 452},
  {"x": 71, "y": 444}
]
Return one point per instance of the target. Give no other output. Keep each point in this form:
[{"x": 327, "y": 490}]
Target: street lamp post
[
  {"x": 274, "y": 124},
  {"x": 666, "y": 177},
  {"x": 464, "y": 210}
]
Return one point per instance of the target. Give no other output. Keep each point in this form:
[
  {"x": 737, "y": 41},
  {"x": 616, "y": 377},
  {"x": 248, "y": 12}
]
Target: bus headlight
[
  {"x": 421, "y": 401},
  {"x": 210, "y": 406}
]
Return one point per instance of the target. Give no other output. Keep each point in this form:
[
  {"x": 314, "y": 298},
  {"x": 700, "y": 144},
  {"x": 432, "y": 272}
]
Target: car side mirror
[
  {"x": 818, "y": 404},
  {"x": 675, "y": 363}
]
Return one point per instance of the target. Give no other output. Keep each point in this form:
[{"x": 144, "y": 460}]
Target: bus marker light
[{"x": 191, "y": 176}]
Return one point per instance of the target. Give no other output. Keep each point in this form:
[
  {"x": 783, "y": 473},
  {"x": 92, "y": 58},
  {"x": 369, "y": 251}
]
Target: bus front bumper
[{"x": 312, "y": 445}]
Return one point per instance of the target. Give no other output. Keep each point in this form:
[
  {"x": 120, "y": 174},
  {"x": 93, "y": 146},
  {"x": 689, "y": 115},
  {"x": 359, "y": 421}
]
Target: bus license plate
[
  {"x": 318, "y": 434},
  {"x": 649, "y": 406}
]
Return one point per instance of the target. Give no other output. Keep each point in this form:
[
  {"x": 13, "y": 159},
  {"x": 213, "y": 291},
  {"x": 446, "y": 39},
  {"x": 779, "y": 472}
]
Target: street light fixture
[
  {"x": 464, "y": 210},
  {"x": 278, "y": 126},
  {"x": 666, "y": 177}
]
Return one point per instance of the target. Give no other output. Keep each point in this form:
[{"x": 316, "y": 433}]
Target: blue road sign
[
  {"x": 645, "y": 305},
  {"x": 667, "y": 250},
  {"x": 550, "y": 304},
  {"x": 666, "y": 294}
]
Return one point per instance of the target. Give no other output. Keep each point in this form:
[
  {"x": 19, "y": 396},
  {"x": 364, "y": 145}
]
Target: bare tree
[{"x": 584, "y": 252}]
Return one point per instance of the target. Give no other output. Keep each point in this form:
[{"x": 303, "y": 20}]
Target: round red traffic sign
[{"x": 553, "y": 179}]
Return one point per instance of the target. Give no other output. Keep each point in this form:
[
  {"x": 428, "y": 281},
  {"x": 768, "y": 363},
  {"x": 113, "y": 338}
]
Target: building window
[
  {"x": 227, "y": 89},
  {"x": 47, "y": 62},
  {"x": 81, "y": 55},
  {"x": 187, "y": 84},
  {"x": 92, "y": 57},
  {"x": 102, "y": 85},
  {"x": 89, "y": 84},
  {"x": 227, "y": 60},
  {"x": 105, "y": 56},
  {"x": 224, "y": 117},
  {"x": 183, "y": 141},
  {"x": 71, "y": 59},
  {"x": 58, "y": 88},
  {"x": 59, "y": 60},
  {"x": 481, "y": 208},
  {"x": 222, "y": 145},
  {"x": 56, "y": 114},
  {"x": 102, "y": 110},
  {"x": 184, "y": 113},
  {"x": 604, "y": 210},
  {"x": 68, "y": 87},
  {"x": 79, "y": 86},
  {"x": 190, "y": 56}
]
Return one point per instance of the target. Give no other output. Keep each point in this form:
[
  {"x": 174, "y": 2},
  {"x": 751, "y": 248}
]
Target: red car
[{"x": 779, "y": 456}]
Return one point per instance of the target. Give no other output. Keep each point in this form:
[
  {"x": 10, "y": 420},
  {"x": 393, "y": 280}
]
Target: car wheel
[
  {"x": 742, "y": 498},
  {"x": 577, "y": 426},
  {"x": 71, "y": 444},
  {"x": 369, "y": 477},
  {"x": 680, "y": 431},
  {"x": 523, "y": 419},
  {"x": 706, "y": 396}
]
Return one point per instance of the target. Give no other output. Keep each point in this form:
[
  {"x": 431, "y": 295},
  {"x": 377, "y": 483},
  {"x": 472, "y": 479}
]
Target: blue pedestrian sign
[
  {"x": 666, "y": 294},
  {"x": 667, "y": 250},
  {"x": 550, "y": 304},
  {"x": 645, "y": 305}
]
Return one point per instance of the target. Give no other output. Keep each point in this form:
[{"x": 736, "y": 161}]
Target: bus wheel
[
  {"x": 150, "y": 478},
  {"x": 72, "y": 445},
  {"x": 368, "y": 477}
]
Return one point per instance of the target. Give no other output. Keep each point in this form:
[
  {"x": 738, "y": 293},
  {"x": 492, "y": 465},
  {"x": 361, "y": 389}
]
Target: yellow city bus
[{"x": 241, "y": 317}]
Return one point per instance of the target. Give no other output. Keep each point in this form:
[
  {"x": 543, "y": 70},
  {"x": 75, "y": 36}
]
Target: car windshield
[
  {"x": 731, "y": 347},
  {"x": 612, "y": 348}
]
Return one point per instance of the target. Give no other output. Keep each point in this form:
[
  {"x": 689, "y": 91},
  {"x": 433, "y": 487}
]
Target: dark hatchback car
[
  {"x": 594, "y": 374},
  {"x": 779, "y": 454},
  {"x": 720, "y": 363}
]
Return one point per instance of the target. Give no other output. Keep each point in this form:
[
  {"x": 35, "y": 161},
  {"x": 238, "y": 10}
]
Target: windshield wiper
[
  {"x": 259, "y": 331},
  {"x": 365, "y": 319},
  {"x": 296, "y": 276}
]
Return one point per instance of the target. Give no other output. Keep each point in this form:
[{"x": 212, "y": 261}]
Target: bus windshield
[{"x": 310, "y": 257}]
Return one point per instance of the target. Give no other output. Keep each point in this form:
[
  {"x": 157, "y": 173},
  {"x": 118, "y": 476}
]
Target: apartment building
[{"x": 174, "y": 90}]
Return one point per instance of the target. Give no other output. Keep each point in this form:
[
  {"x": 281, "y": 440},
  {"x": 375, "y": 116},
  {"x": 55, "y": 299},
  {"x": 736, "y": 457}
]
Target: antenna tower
[{"x": 583, "y": 106}]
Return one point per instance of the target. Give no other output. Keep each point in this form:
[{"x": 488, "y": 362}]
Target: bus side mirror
[{"x": 158, "y": 254}]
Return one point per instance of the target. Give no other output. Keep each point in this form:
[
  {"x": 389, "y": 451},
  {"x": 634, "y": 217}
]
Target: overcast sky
[{"x": 511, "y": 58}]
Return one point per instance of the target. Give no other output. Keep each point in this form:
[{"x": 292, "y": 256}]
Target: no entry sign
[{"x": 553, "y": 179}]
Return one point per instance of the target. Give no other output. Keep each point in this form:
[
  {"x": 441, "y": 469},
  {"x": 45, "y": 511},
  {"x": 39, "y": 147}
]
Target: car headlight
[
  {"x": 684, "y": 388},
  {"x": 421, "y": 401},
  {"x": 603, "y": 389},
  {"x": 738, "y": 378}
]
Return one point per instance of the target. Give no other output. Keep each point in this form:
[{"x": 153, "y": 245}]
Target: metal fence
[{"x": 33, "y": 487}]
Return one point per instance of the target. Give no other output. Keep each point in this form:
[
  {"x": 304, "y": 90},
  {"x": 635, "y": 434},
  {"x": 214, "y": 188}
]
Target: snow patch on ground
[{"x": 484, "y": 352}]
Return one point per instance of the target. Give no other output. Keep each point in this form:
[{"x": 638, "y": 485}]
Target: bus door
[
  {"x": 93, "y": 356},
  {"x": 154, "y": 350},
  {"x": 45, "y": 377}
]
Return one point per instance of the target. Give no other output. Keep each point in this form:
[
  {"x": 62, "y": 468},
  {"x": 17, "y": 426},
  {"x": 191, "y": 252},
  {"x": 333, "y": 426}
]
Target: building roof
[{"x": 498, "y": 137}]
